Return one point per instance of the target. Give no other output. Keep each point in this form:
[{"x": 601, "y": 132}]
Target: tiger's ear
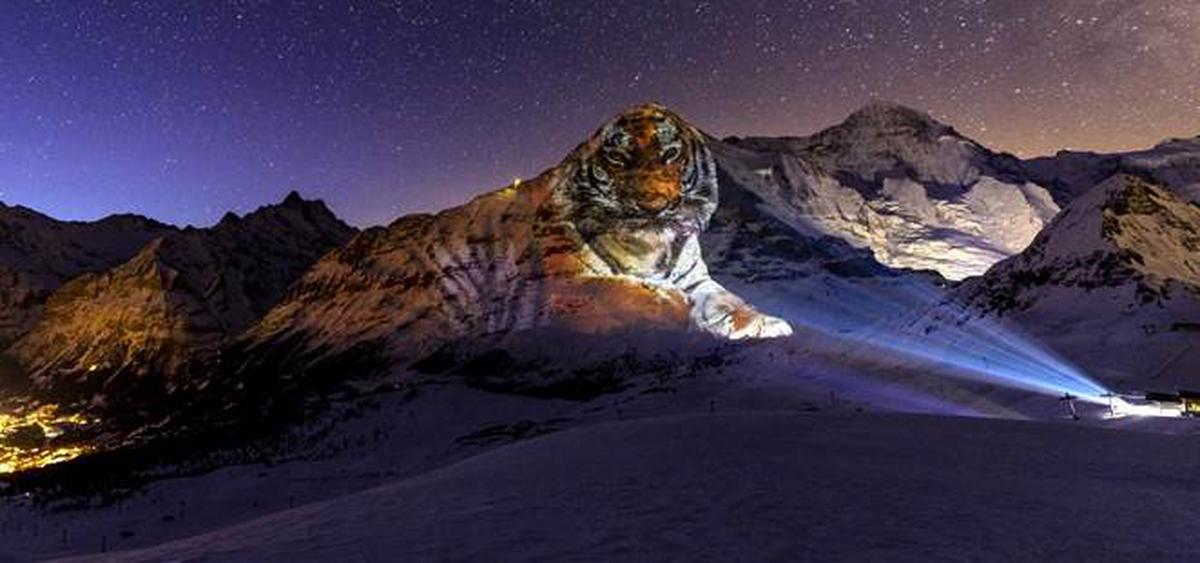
[{"x": 592, "y": 145}]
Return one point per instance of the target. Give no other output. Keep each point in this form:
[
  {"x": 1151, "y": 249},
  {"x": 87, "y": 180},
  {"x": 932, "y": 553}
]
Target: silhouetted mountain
[{"x": 38, "y": 254}]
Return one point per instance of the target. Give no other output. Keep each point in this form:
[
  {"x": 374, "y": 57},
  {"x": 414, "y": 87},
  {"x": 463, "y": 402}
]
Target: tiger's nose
[
  {"x": 658, "y": 196},
  {"x": 655, "y": 204}
]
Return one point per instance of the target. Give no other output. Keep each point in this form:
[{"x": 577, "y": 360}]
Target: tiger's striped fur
[{"x": 603, "y": 242}]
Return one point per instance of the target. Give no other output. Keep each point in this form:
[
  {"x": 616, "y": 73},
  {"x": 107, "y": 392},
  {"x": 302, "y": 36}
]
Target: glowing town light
[{"x": 47, "y": 421}]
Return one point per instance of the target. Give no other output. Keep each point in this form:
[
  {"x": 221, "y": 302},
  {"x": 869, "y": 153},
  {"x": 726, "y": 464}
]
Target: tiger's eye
[
  {"x": 614, "y": 158},
  {"x": 599, "y": 174},
  {"x": 670, "y": 154}
]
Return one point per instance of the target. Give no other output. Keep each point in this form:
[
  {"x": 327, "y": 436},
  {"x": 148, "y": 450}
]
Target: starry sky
[{"x": 183, "y": 110}]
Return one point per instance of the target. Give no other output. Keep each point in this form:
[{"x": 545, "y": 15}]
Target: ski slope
[{"x": 760, "y": 486}]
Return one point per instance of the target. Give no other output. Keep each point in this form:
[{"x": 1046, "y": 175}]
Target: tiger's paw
[
  {"x": 740, "y": 321},
  {"x": 762, "y": 326}
]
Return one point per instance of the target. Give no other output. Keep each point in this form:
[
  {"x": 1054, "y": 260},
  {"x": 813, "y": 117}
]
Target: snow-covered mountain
[
  {"x": 755, "y": 237},
  {"x": 1125, "y": 233},
  {"x": 38, "y": 254},
  {"x": 397, "y": 292},
  {"x": 894, "y": 181},
  {"x": 1174, "y": 164},
  {"x": 1118, "y": 270},
  {"x": 171, "y": 307}
]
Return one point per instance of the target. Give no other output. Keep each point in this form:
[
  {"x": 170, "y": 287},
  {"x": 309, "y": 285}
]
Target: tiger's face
[
  {"x": 643, "y": 158},
  {"x": 646, "y": 169}
]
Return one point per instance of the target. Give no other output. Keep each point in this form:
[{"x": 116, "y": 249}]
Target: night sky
[{"x": 183, "y": 110}]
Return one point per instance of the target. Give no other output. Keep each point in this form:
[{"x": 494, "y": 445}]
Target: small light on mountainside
[
  {"x": 511, "y": 189},
  {"x": 93, "y": 367}
]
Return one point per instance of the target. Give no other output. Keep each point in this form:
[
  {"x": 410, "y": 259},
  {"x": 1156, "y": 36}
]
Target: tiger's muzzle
[{"x": 653, "y": 192}]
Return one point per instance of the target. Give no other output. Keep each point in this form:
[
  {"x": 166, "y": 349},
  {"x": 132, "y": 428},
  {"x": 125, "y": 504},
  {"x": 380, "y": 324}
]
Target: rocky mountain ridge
[
  {"x": 518, "y": 260},
  {"x": 38, "y": 254},
  {"x": 166, "y": 312}
]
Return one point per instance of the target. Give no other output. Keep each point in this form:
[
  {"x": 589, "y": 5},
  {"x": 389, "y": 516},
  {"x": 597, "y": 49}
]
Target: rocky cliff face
[
  {"x": 427, "y": 279},
  {"x": 167, "y": 311},
  {"x": 38, "y": 254},
  {"x": 891, "y": 180}
]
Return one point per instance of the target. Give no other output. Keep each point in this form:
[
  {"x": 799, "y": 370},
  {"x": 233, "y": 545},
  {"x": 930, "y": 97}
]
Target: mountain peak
[
  {"x": 292, "y": 208},
  {"x": 22, "y": 212},
  {"x": 886, "y": 108},
  {"x": 40, "y": 253},
  {"x": 1120, "y": 193},
  {"x": 885, "y": 117},
  {"x": 133, "y": 220},
  {"x": 293, "y": 199}
]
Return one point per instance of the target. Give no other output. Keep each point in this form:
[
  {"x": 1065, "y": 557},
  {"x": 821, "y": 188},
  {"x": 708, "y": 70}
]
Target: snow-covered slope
[
  {"x": 758, "y": 486},
  {"x": 430, "y": 421},
  {"x": 1174, "y": 164},
  {"x": 38, "y": 254},
  {"x": 169, "y": 309},
  {"x": 757, "y": 237},
  {"x": 896, "y": 182}
]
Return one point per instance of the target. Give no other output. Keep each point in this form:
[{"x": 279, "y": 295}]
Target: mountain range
[{"x": 890, "y": 204}]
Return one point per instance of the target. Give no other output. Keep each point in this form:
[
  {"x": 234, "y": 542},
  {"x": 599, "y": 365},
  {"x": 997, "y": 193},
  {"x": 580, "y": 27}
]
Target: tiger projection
[{"x": 605, "y": 241}]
